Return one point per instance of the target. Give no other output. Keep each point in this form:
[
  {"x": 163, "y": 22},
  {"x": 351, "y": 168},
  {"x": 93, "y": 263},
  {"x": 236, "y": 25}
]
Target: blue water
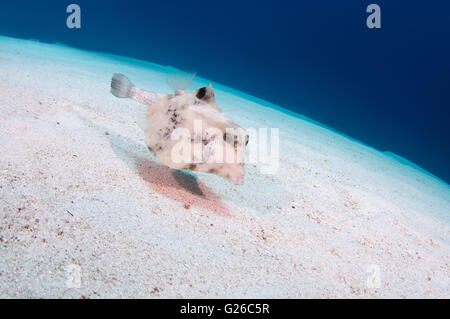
[{"x": 389, "y": 88}]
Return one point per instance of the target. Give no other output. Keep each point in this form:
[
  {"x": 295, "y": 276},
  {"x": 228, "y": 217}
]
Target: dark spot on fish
[
  {"x": 171, "y": 109},
  {"x": 229, "y": 139},
  {"x": 191, "y": 166},
  {"x": 167, "y": 131},
  {"x": 201, "y": 93},
  {"x": 212, "y": 171}
]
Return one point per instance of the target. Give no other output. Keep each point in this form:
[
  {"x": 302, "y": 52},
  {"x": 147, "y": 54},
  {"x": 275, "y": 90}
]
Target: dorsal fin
[{"x": 180, "y": 80}]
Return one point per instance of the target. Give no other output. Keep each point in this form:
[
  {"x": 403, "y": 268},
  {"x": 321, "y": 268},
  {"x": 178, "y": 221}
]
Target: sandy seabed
[{"x": 79, "y": 189}]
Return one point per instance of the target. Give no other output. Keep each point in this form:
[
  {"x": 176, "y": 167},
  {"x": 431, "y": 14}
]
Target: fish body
[{"x": 187, "y": 130}]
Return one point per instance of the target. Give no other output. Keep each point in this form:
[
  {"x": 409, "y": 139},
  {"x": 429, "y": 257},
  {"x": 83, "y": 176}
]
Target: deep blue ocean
[{"x": 388, "y": 87}]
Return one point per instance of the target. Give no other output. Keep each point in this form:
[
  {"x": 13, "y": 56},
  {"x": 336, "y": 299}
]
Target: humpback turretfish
[{"x": 187, "y": 130}]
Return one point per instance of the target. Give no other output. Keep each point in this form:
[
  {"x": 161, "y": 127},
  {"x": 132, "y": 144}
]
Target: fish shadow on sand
[
  {"x": 188, "y": 181},
  {"x": 181, "y": 186}
]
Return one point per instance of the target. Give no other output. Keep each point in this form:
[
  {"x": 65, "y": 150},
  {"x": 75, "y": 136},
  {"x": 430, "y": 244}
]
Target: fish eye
[{"x": 201, "y": 93}]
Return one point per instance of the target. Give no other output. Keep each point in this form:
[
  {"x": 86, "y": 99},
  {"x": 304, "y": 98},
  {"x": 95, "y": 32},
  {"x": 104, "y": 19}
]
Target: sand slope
[{"x": 78, "y": 186}]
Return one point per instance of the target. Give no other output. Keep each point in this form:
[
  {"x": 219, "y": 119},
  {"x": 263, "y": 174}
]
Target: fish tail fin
[
  {"x": 121, "y": 86},
  {"x": 180, "y": 80}
]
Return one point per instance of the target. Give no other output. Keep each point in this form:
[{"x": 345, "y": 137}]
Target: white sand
[{"x": 334, "y": 208}]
